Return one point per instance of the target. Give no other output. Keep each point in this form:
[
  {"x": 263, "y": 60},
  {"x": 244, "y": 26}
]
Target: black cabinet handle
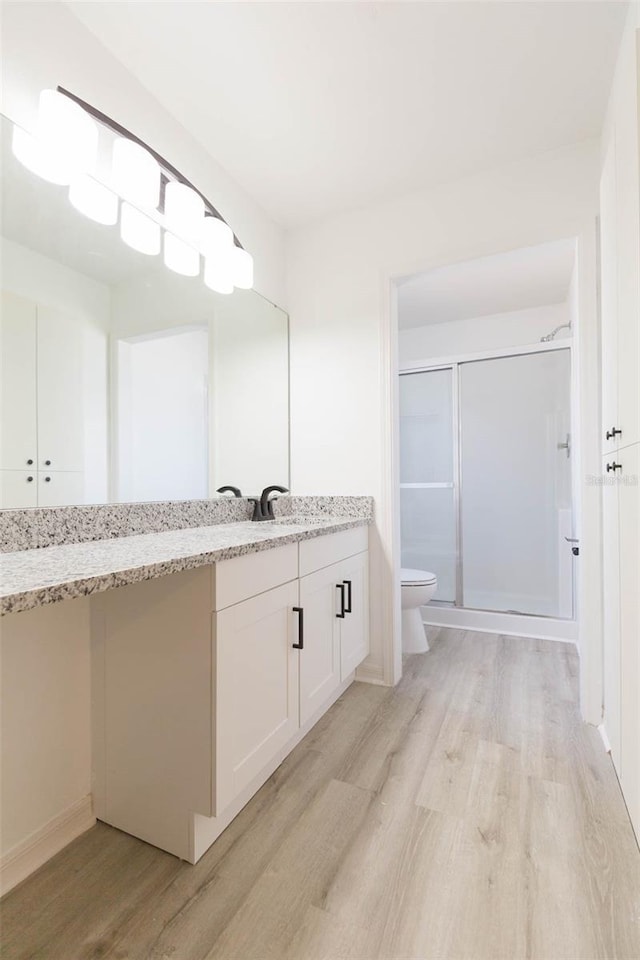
[
  {"x": 340, "y": 615},
  {"x": 614, "y": 432},
  {"x": 347, "y": 583},
  {"x": 47, "y": 463},
  {"x": 613, "y": 466},
  {"x": 300, "y": 644},
  {"x": 29, "y": 463},
  {"x": 47, "y": 479},
  {"x": 29, "y": 479}
]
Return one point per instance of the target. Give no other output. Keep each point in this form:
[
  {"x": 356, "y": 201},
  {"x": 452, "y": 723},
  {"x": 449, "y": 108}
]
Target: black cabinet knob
[
  {"x": 613, "y": 467},
  {"x": 29, "y": 479},
  {"x": 29, "y": 463},
  {"x": 614, "y": 432},
  {"x": 47, "y": 479},
  {"x": 47, "y": 463}
]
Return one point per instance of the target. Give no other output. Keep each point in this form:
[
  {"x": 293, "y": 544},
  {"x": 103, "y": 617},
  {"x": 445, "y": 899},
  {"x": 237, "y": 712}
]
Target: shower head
[{"x": 551, "y": 336}]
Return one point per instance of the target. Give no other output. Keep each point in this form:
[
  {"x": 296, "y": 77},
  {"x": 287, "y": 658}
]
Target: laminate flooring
[{"x": 467, "y": 814}]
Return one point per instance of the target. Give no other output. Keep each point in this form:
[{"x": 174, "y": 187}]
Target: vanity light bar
[{"x": 63, "y": 150}]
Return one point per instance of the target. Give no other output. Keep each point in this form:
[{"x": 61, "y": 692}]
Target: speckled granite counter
[{"x": 32, "y": 578}]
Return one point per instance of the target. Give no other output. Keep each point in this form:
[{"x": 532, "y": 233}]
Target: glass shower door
[
  {"x": 516, "y": 484},
  {"x": 427, "y": 491}
]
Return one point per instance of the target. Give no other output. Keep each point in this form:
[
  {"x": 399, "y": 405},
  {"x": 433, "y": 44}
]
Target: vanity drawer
[
  {"x": 323, "y": 551},
  {"x": 243, "y": 577}
]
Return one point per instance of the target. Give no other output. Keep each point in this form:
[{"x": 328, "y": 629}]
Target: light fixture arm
[{"x": 164, "y": 164}]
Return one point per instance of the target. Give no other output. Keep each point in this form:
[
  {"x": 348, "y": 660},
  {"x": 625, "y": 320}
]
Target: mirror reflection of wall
[{"x": 121, "y": 380}]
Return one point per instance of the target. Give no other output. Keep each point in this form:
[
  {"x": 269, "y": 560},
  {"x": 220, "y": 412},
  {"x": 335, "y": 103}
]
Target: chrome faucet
[{"x": 263, "y": 507}]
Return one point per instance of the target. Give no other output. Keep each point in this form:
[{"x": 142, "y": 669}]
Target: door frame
[{"x": 586, "y": 340}]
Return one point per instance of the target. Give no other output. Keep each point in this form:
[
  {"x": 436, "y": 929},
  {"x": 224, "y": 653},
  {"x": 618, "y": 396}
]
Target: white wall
[
  {"x": 476, "y": 334},
  {"x": 342, "y": 346},
  {"x": 44, "y": 45},
  {"x": 45, "y": 281}
]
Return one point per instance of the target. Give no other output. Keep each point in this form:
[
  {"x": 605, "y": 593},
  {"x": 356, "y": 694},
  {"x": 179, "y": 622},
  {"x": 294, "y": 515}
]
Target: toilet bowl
[{"x": 418, "y": 587}]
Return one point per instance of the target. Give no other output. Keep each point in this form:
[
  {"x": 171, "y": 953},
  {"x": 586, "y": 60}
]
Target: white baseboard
[
  {"x": 602, "y": 730},
  {"x": 514, "y": 625},
  {"x": 19, "y": 862},
  {"x": 371, "y": 673}
]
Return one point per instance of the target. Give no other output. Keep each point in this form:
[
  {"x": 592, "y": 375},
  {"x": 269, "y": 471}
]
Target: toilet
[{"x": 418, "y": 587}]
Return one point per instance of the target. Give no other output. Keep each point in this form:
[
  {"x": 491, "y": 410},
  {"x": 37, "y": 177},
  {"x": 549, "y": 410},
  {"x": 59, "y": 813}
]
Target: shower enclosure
[{"x": 485, "y": 481}]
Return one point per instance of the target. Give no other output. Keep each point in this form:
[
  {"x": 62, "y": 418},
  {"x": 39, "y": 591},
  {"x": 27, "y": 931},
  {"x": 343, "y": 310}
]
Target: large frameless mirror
[{"x": 122, "y": 380}]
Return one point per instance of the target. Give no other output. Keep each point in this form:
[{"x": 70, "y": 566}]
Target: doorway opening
[
  {"x": 163, "y": 420},
  {"x": 487, "y": 440}
]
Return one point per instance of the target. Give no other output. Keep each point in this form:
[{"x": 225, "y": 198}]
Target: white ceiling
[
  {"x": 518, "y": 280},
  {"x": 319, "y": 107}
]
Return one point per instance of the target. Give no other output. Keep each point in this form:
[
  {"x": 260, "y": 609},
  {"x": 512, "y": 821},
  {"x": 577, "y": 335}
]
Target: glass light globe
[
  {"x": 135, "y": 174},
  {"x": 180, "y": 256},
  {"x": 35, "y": 156},
  {"x": 139, "y": 231},
  {"x": 242, "y": 269},
  {"x": 217, "y": 274},
  {"x": 93, "y": 199},
  {"x": 183, "y": 211}
]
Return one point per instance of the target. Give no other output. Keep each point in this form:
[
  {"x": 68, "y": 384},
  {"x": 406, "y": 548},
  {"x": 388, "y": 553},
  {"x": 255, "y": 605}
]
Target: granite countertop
[{"x": 32, "y": 578}]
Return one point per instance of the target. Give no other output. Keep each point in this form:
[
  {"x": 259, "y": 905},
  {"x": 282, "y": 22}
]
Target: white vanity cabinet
[{"x": 203, "y": 682}]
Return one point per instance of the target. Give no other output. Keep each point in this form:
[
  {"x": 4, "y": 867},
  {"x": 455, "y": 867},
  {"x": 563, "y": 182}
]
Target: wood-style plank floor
[{"x": 468, "y": 813}]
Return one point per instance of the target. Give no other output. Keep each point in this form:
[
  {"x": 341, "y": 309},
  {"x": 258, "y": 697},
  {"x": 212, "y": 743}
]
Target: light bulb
[
  {"x": 217, "y": 274},
  {"x": 181, "y": 257},
  {"x": 135, "y": 173},
  {"x": 242, "y": 268},
  {"x": 139, "y": 231},
  {"x": 94, "y": 199},
  {"x": 66, "y": 129},
  {"x": 217, "y": 237},
  {"x": 35, "y": 156},
  {"x": 183, "y": 211}
]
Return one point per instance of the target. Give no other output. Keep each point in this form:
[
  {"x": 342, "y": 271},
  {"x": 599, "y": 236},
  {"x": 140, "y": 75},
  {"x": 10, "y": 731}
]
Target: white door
[
  {"x": 18, "y": 488},
  {"x": 611, "y": 601},
  {"x": 629, "y": 498},
  {"x": 609, "y": 300},
  {"x": 60, "y": 392},
  {"x": 18, "y": 425},
  {"x": 57, "y": 488},
  {"x": 354, "y": 629},
  {"x": 320, "y": 656},
  {"x": 628, "y": 260},
  {"x": 256, "y": 703}
]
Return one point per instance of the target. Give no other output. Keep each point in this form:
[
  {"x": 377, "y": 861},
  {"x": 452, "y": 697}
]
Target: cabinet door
[
  {"x": 18, "y": 488},
  {"x": 354, "y": 629},
  {"x": 60, "y": 489},
  {"x": 629, "y": 500},
  {"x": 256, "y": 710},
  {"x": 320, "y": 657},
  {"x": 609, "y": 298},
  {"x": 18, "y": 430},
  {"x": 628, "y": 255},
  {"x": 60, "y": 392},
  {"x": 611, "y": 601}
]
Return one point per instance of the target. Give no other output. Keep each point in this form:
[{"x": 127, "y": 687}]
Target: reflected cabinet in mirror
[{"x": 120, "y": 379}]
